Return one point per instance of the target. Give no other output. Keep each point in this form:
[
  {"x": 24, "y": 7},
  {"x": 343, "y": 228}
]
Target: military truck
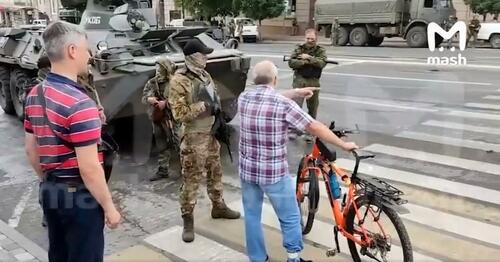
[
  {"x": 125, "y": 42},
  {"x": 368, "y": 22}
]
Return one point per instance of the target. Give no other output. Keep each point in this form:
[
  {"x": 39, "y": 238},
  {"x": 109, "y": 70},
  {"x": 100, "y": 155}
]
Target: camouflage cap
[{"x": 166, "y": 66}]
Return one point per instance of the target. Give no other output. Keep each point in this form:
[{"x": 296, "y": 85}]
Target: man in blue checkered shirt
[{"x": 266, "y": 116}]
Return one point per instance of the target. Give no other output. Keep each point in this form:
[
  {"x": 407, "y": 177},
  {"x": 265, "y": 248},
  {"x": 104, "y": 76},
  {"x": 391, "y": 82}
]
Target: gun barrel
[{"x": 328, "y": 60}]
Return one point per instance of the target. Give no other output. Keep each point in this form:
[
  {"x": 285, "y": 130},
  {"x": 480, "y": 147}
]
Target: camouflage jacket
[
  {"x": 88, "y": 84},
  {"x": 186, "y": 107},
  {"x": 474, "y": 25},
  {"x": 154, "y": 88},
  {"x": 317, "y": 61},
  {"x": 85, "y": 82}
]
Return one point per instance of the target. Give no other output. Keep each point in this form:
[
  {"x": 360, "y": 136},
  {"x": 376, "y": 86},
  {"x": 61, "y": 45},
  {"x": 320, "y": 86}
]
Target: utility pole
[
  {"x": 182, "y": 7},
  {"x": 161, "y": 12}
]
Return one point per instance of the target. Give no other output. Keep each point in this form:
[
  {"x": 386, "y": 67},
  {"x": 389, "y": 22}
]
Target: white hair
[
  {"x": 264, "y": 72},
  {"x": 58, "y": 36}
]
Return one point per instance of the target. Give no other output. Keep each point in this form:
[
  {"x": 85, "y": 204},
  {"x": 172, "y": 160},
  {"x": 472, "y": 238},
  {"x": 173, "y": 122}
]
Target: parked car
[
  {"x": 250, "y": 29},
  {"x": 490, "y": 32}
]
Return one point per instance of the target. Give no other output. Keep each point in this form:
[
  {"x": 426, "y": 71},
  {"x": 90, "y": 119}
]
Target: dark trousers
[{"x": 75, "y": 223}]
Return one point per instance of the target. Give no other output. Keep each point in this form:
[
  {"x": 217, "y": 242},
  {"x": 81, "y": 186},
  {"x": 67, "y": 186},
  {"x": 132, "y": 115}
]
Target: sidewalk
[{"x": 16, "y": 247}]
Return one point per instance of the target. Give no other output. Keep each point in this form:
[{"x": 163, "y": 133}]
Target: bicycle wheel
[
  {"x": 389, "y": 223},
  {"x": 307, "y": 191}
]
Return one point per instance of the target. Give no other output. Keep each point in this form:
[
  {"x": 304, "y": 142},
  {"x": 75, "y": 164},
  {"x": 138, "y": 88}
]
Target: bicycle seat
[{"x": 326, "y": 152}]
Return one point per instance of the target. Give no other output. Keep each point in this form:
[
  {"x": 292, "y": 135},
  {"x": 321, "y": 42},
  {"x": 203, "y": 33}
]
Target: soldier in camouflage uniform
[
  {"x": 86, "y": 81},
  {"x": 155, "y": 94},
  {"x": 194, "y": 102},
  {"x": 474, "y": 27},
  {"x": 307, "y": 61},
  {"x": 335, "y": 32}
]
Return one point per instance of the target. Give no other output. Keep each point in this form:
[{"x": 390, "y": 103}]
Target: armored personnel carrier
[{"x": 125, "y": 42}]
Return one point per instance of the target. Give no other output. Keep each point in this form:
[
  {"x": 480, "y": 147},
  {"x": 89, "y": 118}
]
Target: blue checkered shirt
[{"x": 265, "y": 117}]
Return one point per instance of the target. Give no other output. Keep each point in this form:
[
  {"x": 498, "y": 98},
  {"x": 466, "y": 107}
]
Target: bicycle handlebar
[
  {"x": 358, "y": 158},
  {"x": 343, "y": 132}
]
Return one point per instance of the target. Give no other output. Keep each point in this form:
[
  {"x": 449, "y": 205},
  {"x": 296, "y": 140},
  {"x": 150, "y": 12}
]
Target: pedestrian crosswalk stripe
[
  {"x": 386, "y": 104},
  {"x": 480, "y": 145},
  {"x": 461, "y": 126},
  {"x": 202, "y": 249},
  {"x": 483, "y": 106},
  {"x": 475, "y": 115},
  {"x": 492, "y": 97},
  {"x": 447, "y": 222},
  {"x": 442, "y": 220},
  {"x": 436, "y": 158},
  {"x": 423, "y": 181},
  {"x": 321, "y": 232},
  {"x": 454, "y": 224}
]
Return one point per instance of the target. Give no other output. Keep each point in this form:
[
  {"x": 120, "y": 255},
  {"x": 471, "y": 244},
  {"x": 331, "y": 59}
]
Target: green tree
[
  {"x": 210, "y": 8},
  {"x": 484, "y": 7},
  {"x": 262, "y": 9}
]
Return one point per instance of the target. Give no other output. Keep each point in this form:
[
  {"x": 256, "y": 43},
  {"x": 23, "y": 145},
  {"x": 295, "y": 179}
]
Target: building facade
[
  {"x": 19, "y": 12},
  {"x": 170, "y": 10}
]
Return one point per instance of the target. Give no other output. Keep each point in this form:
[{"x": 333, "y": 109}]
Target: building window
[
  {"x": 53, "y": 6},
  {"x": 428, "y": 3},
  {"x": 290, "y": 8}
]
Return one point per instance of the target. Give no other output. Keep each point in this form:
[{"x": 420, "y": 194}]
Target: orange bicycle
[{"x": 366, "y": 200}]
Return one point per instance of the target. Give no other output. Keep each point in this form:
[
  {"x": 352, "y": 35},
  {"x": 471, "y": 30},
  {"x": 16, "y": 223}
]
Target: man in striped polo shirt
[{"x": 63, "y": 130}]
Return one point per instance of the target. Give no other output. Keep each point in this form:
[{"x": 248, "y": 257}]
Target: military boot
[
  {"x": 222, "y": 211},
  {"x": 161, "y": 173},
  {"x": 188, "y": 231}
]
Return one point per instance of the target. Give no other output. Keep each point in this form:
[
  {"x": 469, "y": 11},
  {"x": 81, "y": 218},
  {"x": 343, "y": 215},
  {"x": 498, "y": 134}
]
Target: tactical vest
[
  {"x": 310, "y": 71},
  {"x": 200, "y": 124}
]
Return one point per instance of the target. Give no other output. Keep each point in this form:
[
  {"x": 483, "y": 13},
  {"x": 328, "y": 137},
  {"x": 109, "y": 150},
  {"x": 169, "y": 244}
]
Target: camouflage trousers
[
  {"x": 200, "y": 152},
  {"x": 163, "y": 147},
  {"x": 313, "y": 102}
]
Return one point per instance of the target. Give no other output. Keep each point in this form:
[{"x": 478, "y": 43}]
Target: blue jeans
[
  {"x": 75, "y": 223},
  {"x": 282, "y": 198}
]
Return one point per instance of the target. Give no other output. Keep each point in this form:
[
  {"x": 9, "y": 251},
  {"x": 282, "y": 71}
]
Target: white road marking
[
  {"x": 206, "y": 249},
  {"x": 379, "y": 104},
  {"x": 436, "y": 158},
  {"x": 410, "y": 79},
  {"x": 18, "y": 210},
  {"x": 440, "y": 220},
  {"x": 464, "y": 127},
  {"x": 423, "y": 181},
  {"x": 479, "y": 145},
  {"x": 321, "y": 232},
  {"x": 492, "y": 97},
  {"x": 395, "y": 62},
  {"x": 475, "y": 115},
  {"x": 483, "y": 106},
  {"x": 453, "y": 224}
]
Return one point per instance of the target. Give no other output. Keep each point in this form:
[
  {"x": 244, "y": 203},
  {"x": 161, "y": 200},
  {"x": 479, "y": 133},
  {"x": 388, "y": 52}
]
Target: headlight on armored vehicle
[{"x": 102, "y": 45}]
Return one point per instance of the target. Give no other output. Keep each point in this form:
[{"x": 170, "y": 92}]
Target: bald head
[{"x": 265, "y": 73}]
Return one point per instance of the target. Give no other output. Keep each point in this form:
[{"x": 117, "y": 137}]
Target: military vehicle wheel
[
  {"x": 358, "y": 36},
  {"x": 5, "y": 98},
  {"x": 417, "y": 37},
  {"x": 343, "y": 36},
  {"x": 232, "y": 44},
  {"x": 495, "y": 41},
  {"x": 375, "y": 40},
  {"x": 19, "y": 81}
]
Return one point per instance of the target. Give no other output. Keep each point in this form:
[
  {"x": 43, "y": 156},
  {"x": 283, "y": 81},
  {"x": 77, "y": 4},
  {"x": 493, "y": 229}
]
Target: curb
[{"x": 28, "y": 245}]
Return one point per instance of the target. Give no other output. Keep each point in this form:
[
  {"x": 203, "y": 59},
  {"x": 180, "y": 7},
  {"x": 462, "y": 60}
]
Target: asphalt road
[{"x": 435, "y": 131}]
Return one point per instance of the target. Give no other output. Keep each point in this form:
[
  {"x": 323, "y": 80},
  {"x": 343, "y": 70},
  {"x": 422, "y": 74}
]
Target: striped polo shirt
[{"x": 74, "y": 122}]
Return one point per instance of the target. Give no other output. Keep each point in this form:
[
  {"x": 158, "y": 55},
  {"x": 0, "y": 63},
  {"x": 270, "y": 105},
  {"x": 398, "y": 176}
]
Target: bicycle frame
[{"x": 339, "y": 210}]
